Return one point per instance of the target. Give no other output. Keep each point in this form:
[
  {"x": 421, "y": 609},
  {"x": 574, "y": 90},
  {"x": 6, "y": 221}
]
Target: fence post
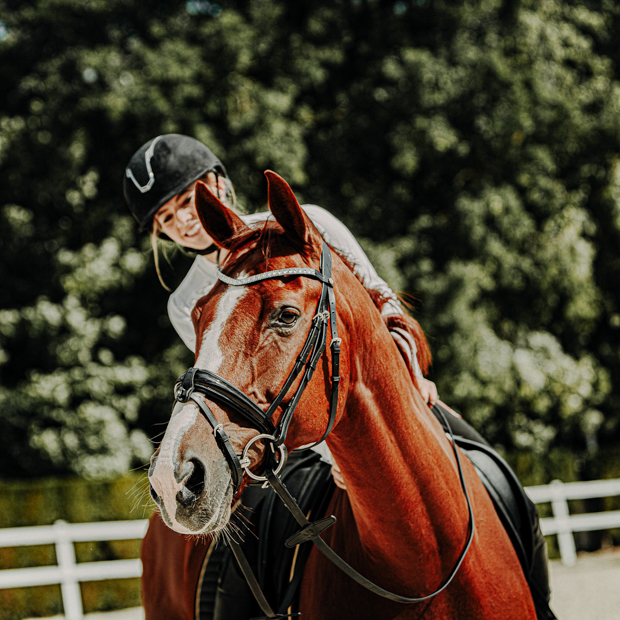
[
  {"x": 70, "y": 587},
  {"x": 559, "y": 506}
]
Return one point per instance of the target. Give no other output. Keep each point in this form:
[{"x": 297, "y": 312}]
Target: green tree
[
  {"x": 473, "y": 145},
  {"x": 88, "y": 357},
  {"x": 487, "y": 133}
]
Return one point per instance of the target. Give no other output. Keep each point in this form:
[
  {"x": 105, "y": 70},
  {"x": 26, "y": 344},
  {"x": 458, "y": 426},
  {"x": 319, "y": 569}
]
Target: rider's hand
[{"x": 428, "y": 390}]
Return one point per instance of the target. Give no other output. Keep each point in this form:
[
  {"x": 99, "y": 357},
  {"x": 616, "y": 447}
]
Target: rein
[{"x": 218, "y": 389}]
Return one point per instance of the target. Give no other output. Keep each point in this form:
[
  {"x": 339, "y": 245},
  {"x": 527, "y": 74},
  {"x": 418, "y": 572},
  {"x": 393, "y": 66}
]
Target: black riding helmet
[{"x": 162, "y": 168}]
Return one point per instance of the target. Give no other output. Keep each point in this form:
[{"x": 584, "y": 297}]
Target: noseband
[{"x": 218, "y": 389}]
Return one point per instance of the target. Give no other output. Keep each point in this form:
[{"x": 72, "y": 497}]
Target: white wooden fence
[
  {"x": 69, "y": 573},
  {"x": 563, "y": 523}
]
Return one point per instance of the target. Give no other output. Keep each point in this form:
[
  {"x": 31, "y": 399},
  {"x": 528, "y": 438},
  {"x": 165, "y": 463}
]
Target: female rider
[{"x": 159, "y": 186}]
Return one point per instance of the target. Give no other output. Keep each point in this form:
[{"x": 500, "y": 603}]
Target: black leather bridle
[
  {"x": 197, "y": 381},
  {"x": 222, "y": 392}
]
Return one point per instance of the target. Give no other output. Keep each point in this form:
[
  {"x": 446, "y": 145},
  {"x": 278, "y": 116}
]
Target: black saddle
[{"x": 224, "y": 595}]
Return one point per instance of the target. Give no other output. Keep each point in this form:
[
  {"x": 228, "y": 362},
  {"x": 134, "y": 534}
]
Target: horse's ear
[
  {"x": 286, "y": 210},
  {"x": 217, "y": 219}
]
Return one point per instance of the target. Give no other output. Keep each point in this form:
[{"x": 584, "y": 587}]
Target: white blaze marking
[
  {"x": 211, "y": 356},
  {"x": 163, "y": 478}
]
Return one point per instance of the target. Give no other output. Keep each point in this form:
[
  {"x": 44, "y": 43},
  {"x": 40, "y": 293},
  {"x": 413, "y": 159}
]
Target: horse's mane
[{"x": 403, "y": 325}]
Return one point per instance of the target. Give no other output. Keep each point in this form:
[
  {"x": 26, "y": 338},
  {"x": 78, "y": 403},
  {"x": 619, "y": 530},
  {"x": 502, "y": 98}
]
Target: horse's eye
[{"x": 288, "y": 317}]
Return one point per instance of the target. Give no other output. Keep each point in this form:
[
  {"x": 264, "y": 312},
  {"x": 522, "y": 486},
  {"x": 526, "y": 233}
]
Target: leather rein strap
[
  {"x": 311, "y": 531},
  {"x": 218, "y": 389}
]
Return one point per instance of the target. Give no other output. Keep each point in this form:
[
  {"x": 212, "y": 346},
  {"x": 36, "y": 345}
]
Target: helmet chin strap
[{"x": 209, "y": 250}]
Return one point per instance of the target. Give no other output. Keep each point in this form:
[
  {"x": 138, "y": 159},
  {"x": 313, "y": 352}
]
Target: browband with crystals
[{"x": 277, "y": 273}]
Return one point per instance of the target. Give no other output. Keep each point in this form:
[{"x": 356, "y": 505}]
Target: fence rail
[
  {"x": 69, "y": 573},
  {"x": 563, "y": 523}
]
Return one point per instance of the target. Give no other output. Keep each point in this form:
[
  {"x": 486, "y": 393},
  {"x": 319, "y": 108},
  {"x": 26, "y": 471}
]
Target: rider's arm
[
  {"x": 197, "y": 283},
  {"x": 342, "y": 240}
]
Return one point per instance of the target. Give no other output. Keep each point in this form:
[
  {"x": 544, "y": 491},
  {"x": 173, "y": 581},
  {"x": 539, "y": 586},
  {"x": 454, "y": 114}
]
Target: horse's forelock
[{"x": 263, "y": 238}]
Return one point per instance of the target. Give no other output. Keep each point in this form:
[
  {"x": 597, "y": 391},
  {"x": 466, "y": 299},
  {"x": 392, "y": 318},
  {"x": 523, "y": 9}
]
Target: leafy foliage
[{"x": 472, "y": 145}]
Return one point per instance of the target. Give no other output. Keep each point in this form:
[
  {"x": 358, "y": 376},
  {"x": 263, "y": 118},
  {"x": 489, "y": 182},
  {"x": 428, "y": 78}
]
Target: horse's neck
[{"x": 398, "y": 465}]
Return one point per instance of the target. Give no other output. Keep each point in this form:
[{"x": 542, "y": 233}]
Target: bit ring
[{"x": 245, "y": 461}]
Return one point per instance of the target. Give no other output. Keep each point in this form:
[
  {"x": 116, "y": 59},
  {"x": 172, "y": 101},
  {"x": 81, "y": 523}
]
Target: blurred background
[{"x": 472, "y": 147}]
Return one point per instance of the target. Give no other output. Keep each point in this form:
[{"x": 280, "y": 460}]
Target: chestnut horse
[{"x": 403, "y": 521}]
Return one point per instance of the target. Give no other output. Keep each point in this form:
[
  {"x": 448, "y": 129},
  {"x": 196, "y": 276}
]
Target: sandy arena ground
[{"x": 590, "y": 590}]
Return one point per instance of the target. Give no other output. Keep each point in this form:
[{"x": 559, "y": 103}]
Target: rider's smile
[{"x": 179, "y": 220}]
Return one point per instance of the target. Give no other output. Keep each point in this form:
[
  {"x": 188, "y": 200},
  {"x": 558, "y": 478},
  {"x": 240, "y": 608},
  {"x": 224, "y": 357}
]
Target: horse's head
[{"x": 250, "y": 334}]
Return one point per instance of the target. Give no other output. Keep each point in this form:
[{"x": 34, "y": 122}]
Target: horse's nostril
[
  {"x": 194, "y": 484},
  {"x": 154, "y": 495}
]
